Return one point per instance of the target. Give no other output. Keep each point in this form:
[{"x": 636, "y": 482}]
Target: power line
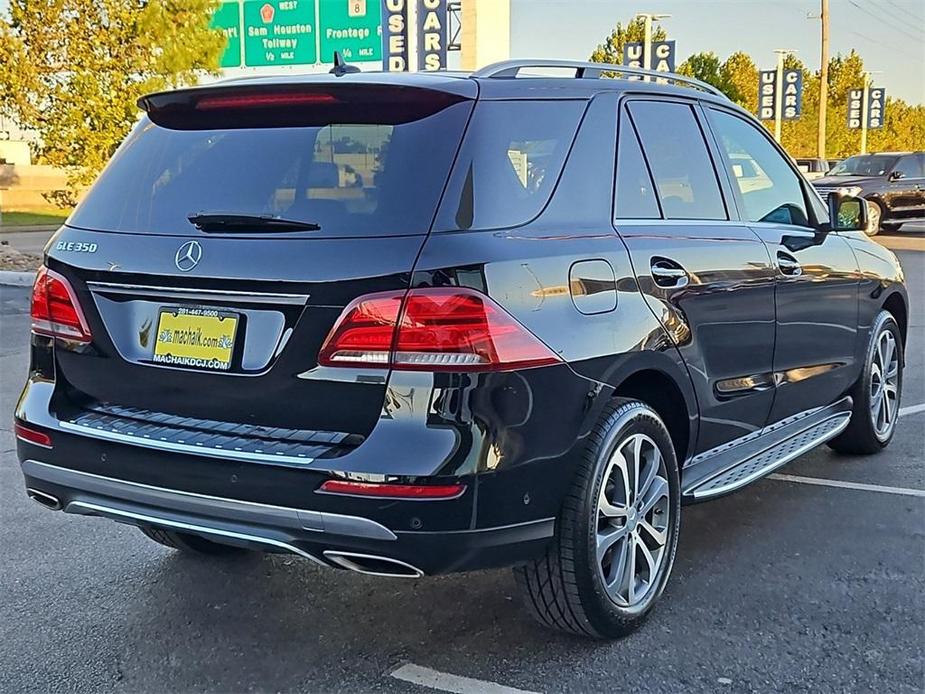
[
  {"x": 908, "y": 13},
  {"x": 880, "y": 18}
]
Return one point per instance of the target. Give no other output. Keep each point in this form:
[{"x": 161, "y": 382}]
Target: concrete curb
[{"x": 16, "y": 279}]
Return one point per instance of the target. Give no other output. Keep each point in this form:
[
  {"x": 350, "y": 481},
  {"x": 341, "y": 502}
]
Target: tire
[
  {"x": 874, "y": 217},
  {"x": 566, "y": 589},
  {"x": 870, "y": 430},
  {"x": 189, "y": 543}
]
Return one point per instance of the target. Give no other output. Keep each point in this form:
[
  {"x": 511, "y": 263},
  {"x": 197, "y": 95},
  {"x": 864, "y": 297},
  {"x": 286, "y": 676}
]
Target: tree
[
  {"x": 704, "y": 67},
  {"x": 72, "y": 70},
  {"x": 611, "y": 50}
]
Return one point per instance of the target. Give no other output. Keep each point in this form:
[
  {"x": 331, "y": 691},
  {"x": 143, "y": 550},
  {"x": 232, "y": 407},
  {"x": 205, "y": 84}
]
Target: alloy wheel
[
  {"x": 884, "y": 385},
  {"x": 874, "y": 215},
  {"x": 633, "y": 516}
]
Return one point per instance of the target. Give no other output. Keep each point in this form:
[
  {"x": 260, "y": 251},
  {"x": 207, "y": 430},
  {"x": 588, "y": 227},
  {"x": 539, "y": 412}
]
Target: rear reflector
[
  {"x": 31, "y": 435},
  {"x": 439, "y": 329},
  {"x": 55, "y": 309},
  {"x": 393, "y": 491}
]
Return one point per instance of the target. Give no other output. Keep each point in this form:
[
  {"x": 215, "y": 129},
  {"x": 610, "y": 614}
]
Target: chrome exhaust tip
[
  {"x": 372, "y": 565},
  {"x": 43, "y": 499}
]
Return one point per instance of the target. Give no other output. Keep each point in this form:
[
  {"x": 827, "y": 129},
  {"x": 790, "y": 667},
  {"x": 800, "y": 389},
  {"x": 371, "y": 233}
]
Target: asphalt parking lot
[{"x": 791, "y": 584}]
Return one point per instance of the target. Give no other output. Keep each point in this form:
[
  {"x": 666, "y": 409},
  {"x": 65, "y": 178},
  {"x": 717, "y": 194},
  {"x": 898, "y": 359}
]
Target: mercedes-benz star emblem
[{"x": 188, "y": 256}]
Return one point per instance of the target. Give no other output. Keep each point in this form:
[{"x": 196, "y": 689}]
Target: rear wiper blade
[{"x": 233, "y": 221}]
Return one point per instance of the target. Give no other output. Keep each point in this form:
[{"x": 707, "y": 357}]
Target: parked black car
[
  {"x": 408, "y": 324},
  {"x": 893, "y": 183}
]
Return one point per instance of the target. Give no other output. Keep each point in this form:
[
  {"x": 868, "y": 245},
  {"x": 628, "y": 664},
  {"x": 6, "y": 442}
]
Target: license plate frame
[{"x": 196, "y": 337}]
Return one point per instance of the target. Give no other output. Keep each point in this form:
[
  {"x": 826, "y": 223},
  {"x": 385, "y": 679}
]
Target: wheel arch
[
  {"x": 667, "y": 391},
  {"x": 895, "y": 304}
]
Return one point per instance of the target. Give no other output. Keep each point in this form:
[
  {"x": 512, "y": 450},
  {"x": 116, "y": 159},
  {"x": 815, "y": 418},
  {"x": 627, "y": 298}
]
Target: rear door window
[
  {"x": 351, "y": 178},
  {"x": 509, "y": 164},
  {"x": 679, "y": 159}
]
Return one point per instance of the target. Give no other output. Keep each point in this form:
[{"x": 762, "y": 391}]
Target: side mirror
[
  {"x": 896, "y": 175},
  {"x": 847, "y": 213}
]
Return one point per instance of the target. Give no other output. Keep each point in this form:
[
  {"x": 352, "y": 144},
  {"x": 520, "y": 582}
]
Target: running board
[{"x": 735, "y": 465}]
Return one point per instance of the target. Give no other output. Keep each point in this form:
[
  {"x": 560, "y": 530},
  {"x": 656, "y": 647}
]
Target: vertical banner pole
[
  {"x": 647, "y": 45},
  {"x": 864, "y": 113},
  {"x": 779, "y": 97}
]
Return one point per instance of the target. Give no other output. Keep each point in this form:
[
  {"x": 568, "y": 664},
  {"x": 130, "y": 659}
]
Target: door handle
[
  {"x": 668, "y": 274},
  {"x": 788, "y": 264}
]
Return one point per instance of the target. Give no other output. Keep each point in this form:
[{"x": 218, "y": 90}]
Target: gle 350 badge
[{"x": 76, "y": 246}]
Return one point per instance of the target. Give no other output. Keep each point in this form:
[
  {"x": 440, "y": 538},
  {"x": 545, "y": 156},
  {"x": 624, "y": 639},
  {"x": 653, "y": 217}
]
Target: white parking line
[
  {"x": 912, "y": 409},
  {"x": 860, "y": 486},
  {"x": 434, "y": 679}
]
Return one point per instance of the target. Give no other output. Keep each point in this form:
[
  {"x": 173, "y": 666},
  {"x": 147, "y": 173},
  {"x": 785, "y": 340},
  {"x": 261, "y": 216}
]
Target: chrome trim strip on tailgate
[
  {"x": 171, "y": 447},
  {"x": 197, "y": 294},
  {"x": 233, "y": 510}
]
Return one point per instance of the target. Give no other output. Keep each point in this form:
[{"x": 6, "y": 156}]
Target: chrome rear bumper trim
[
  {"x": 86, "y": 508},
  {"x": 221, "y": 508},
  {"x": 171, "y": 447}
]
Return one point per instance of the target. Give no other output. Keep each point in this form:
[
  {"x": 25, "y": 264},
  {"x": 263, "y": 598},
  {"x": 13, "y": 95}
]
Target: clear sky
[{"x": 889, "y": 34}]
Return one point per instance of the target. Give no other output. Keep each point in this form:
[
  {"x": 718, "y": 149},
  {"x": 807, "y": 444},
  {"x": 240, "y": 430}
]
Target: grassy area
[{"x": 18, "y": 219}]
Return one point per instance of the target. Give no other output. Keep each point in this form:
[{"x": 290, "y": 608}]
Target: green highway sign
[
  {"x": 227, "y": 18},
  {"x": 279, "y": 32},
  {"x": 351, "y": 27}
]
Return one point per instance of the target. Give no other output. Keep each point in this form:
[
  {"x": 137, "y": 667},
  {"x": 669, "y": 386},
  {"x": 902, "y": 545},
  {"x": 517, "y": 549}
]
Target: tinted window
[
  {"x": 352, "y": 179},
  {"x": 679, "y": 159},
  {"x": 510, "y": 161},
  {"x": 635, "y": 191},
  {"x": 910, "y": 166},
  {"x": 864, "y": 165},
  {"x": 769, "y": 188}
]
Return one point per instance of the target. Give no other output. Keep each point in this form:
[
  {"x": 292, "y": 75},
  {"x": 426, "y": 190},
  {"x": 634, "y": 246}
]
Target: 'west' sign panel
[
  {"x": 791, "y": 101},
  {"x": 663, "y": 52},
  {"x": 395, "y": 35},
  {"x": 432, "y": 35},
  {"x": 279, "y": 32}
]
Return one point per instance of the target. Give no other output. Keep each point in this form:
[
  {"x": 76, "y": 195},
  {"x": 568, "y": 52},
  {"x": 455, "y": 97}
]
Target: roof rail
[{"x": 583, "y": 70}]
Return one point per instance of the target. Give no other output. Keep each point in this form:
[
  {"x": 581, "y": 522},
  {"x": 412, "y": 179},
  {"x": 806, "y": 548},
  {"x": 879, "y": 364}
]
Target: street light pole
[
  {"x": 647, "y": 17},
  {"x": 779, "y": 91}
]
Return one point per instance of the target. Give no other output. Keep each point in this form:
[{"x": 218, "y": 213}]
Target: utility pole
[
  {"x": 647, "y": 38},
  {"x": 823, "y": 80}
]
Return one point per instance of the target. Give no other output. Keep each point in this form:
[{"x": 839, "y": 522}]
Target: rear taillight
[
  {"x": 439, "y": 329},
  {"x": 55, "y": 310}
]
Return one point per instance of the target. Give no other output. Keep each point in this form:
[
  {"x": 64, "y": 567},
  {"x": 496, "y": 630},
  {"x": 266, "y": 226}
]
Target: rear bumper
[
  {"x": 512, "y": 441},
  {"x": 328, "y": 539}
]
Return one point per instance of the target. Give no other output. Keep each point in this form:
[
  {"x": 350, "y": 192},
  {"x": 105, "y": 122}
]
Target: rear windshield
[{"x": 352, "y": 179}]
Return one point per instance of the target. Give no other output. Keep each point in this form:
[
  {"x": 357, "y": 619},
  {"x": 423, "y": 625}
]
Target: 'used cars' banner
[
  {"x": 792, "y": 103},
  {"x": 395, "y": 35},
  {"x": 432, "y": 35}
]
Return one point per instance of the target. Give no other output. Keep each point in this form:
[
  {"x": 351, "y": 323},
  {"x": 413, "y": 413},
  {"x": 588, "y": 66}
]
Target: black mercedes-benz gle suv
[{"x": 408, "y": 324}]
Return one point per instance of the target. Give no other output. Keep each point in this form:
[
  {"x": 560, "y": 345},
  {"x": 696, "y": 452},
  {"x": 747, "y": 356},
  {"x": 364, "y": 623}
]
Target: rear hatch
[{"x": 218, "y": 327}]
